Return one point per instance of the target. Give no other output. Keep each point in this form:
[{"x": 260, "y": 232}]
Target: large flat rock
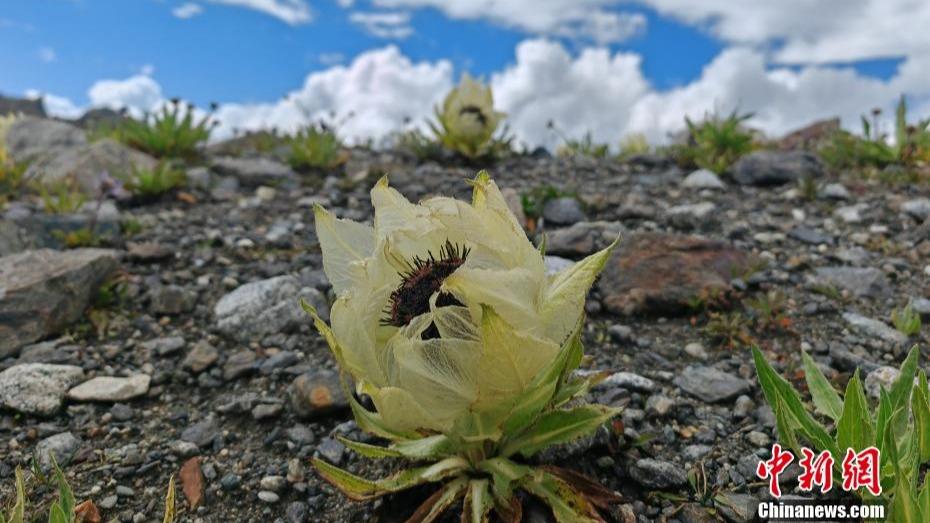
[
  {"x": 37, "y": 388},
  {"x": 43, "y": 291},
  {"x": 258, "y": 309},
  {"x": 656, "y": 273}
]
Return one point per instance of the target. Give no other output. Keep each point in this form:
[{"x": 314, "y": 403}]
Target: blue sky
[{"x": 247, "y": 53}]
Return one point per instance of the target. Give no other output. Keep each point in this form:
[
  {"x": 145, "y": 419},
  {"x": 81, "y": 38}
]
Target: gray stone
[
  {"x": 316, "y": 393},
  {"x": 805, "y": 234},
  {"x": 703, "y": 179},
  {"x": 37, "y": 388},
  {"x": 834, "y": 191},
  {"x": 239, "y": 364},
  {"x": 918, "y": 208},
  {"x": 60, "y": 446},
  {"x": 22, "y": 106},
  {"x": 850, "y": 213},
  {"x": 874, "y": 328},
  {"x": 201, "y": 433},
  {"x": 253, "y": 172},
  {"x": 880, "y": 378},
  {"x": 629, "y": 381},
  {"x": 657, "y": 474},
  {"x": 201, "y": 356},
  {"x": 332, "y": 450},
  {"x": 515, "y": 204},
  {"x": 556, "y": 264},
  {"x": 85, "y": 163},
  {"x": 30, "y": 138},
  {"x": 297, "y": 512},
  {"x": 710, "y": 384},
  {"x": 565, "y": 210},
  {"x": 659, "y": 404},
  {"x": 273, "y": 483},
  {"x": 43, "y": 291},
  {"x": 582, "y": 238},
  {"x": 921, "y": 306},
  {"x": 268, "y": 497},
  {"x": 111, "y": 388},
  {"x": 258, "y": 309},
  {"x": 693, "y": 453},
  {"x": 171, "y": 300},
  {"x": 766, "y": 168},
  {"x": 860, "y": 281},
  {"x": 164, "y": 346}
]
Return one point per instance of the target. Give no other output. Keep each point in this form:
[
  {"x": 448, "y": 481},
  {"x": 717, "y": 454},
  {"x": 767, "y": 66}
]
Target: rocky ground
[{"x": 200, "y": 365}]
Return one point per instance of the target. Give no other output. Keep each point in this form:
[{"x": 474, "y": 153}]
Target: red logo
[{"x": 860, "y": 469}]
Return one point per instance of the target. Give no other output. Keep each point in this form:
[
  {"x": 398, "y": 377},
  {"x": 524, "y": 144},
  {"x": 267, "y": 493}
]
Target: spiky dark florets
[{"x": 424, "y": 278}]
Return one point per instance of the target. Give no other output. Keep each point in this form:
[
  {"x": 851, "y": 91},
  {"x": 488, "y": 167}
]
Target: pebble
[
  {"x": 657, "y": 474},
  {"x": 273, "y": 483},
  {"x": 62, "y": 446},
  {"x": 710, "y": 384},
  {"x": 37, "y": 388},
  {"x": 110, "y": 388},
  {"x": 758, "y": 439},
  {"x": 703, "y": 179},
  {"x": 696, "y": 350},
  {"x": 297, "y": 512},
  {"x": 268, "y": 497},
  {"x": 230, "y": 481}
]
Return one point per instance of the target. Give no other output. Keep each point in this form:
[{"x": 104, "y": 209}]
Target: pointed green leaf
[
  {"x": 430, "y": 447},
  {"x": 882, "y": 419},
  {"x": 576, "y": 387},
  {"x": 920, "y": 405},
  {"x": 66, "y": 500},
  {"x": 170, "y": 506},
  {"x": 478, "y": 502},
  {"x": 440, "y": 501},
  {"x": 826, "y": 399},
  {"x": 17, "y": 513},
  {"x": 854, "y": 428},
  {"x": 785, "y": 426},
  {"x": 903, "y": 508},
  {"x": 368, "y": 450},
  {"x": 567, "y": 504},
  {"x": 544, "y": 385},
  {"x": 558, "y": 426},
  {"x": 900, "y": 393},
  {"x": 361, "y": 489},
  {"x": 56, "y": 514},
  {"x": 774, "y": 386},
  {"x": 923, "y": 499}
]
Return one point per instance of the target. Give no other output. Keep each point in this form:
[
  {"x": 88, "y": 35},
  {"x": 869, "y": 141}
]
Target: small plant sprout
[
  {"x": 467, "y": 121},
  {"x": 150, "y": 184},
  {"x": 173, "y": 132},
  {"x": 63, "y": 196},
  {"x": 899, "y": 428},
  {"x": 315, "y": 147},
  {"x": 768, "y": 310},
  {"x": 716, "y": 142},
  {"x": 446, "y": 319},
  {"x": 585, "y": 146},
  {"x": 906, "y": 320},
  {"x": 632, "y": 145},
  {"x": 729, "y": 328}
]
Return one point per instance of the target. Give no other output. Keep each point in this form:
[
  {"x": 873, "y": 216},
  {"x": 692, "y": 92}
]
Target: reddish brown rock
[
  {"x": 86, "y": 512},
  {"x": 192, "y": 482},
  {"x": 660, "y": 274},
  {"x": 810, "y": 136}
]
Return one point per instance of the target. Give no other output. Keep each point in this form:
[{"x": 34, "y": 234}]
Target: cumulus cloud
[
  {"x": 388, "y": 25},
  {"x": 293, "y": 12},
  {"x": 371, "y": 97},
  {"x": 595, "y": 90},
  {"x": 826, "y": 31},
  {"x": 585, "y": 19},
  {"x": 139, "y": 94},
  {"x": 188, "y": 10}
]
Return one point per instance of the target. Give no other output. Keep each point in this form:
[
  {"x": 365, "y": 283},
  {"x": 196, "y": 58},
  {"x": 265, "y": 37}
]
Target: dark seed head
[{"x": 424, "y": 278}]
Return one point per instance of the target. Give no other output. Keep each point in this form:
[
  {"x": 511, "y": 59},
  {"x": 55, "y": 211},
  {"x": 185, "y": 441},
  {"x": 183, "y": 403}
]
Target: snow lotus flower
[
  {"x": 445, "y": 317},
  {"x": 467, "y": 120}
]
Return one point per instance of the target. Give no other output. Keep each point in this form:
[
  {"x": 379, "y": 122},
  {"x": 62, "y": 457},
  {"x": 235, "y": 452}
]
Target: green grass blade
[
  {"x": 826, "y": 399},
  {"x": 855, "y": 427},
  {"x": 558, "y": 426},
  {"x": 360, "y": 489}
]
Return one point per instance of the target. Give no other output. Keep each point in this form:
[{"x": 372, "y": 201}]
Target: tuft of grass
[
  {"x": 873, "y": 151},
  {"x": 315, "y": 147},
  {"x": 63, "y": 196},
  {"x": 174, "y": 132},
  {"x": 906, "y": 320},
  {"x": 585, "y": 146},
  {"x": 153, "y": 183},
  {"x": 12, "y": 179},
  {"x": 716, "y": 142},
  {"x": 768, "y": 310},
  {"x": 807, "y": 188},
  {"x": 731, "y": 329},
  {"x": 633, "y": 145}
]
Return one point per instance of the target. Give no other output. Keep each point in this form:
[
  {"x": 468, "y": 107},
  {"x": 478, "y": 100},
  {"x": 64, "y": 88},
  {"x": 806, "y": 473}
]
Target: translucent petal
[
  {"x": 346, "y": 245},
  {"x": 509, "y": 359},
  {"x": 440, "y": 373},
  {"x": 514, "y": 293},
  {"x": 393, "y": 212},
  {"x": 566, "y": 294},
  {"x": 400, "y": 411},
  {"x": 355, "y": 320}
]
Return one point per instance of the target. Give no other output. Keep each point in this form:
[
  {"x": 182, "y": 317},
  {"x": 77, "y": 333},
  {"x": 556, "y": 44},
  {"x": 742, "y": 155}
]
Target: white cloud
[
  {"x": 188, "y": 10},
  {"x": 147, "y": 70},
  {"x": 331, "y": 58},
  {"x": 56, "y": 105},
  {"x": 139, "y": 94},
  {"x": 595, "y": 90},
  {"x": 823, "y": 31},
  {"x": 370, "y": 98},
  {"x": 389, "y": 25},
  {"x": 586, "y": 19},
  {"x": 293, "y": 12},
  {"x": 47, "y": 54}
]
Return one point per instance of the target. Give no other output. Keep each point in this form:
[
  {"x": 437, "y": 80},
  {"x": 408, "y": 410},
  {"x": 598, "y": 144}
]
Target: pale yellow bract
[{"x": 512, "y": 320}]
